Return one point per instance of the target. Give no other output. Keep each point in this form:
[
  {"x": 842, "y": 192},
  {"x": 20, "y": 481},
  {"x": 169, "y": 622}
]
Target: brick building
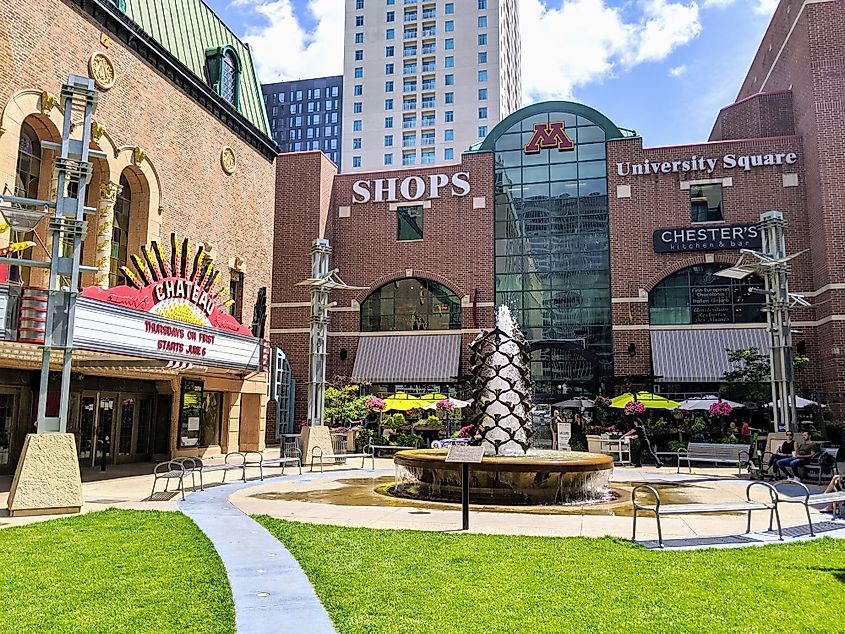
[
  {"x": 605, "y": 250},
  {"x": 181, "y": 146}
]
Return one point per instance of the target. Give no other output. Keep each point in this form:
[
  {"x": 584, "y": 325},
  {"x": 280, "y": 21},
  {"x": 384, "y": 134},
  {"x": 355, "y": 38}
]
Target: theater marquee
[
  {"x": 685, "y": 239},
  {"x": 172, "y": 309}
]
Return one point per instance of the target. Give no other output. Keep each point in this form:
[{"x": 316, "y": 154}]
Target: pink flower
[
  {"x": 375, "y": 404},
  {"x": 720, "y": 408},
  {"x": 444, "y": 405},
  {"x": 634, "y": 407},
  {"x": 466, "y": 432}
]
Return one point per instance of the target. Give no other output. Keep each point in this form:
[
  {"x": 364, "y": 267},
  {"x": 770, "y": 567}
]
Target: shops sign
[
  {"x": 719, "y": 238},
  {"x": 548, "y": 136},
  {"x": 410, "y": 188},
  {"x": 708, "y": 165}
]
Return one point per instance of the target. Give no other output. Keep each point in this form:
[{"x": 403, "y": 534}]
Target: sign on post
[{"x": 465, "y": 455}]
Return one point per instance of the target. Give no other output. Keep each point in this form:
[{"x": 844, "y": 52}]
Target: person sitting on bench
[
  {"x": 807, "y": 449},
  {"x": 831, "y": 487},
  {"x": 784, "y": 451}
]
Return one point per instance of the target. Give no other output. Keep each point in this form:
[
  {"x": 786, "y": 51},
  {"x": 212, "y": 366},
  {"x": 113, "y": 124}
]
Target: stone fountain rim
[{"x": 437, "y": 457}]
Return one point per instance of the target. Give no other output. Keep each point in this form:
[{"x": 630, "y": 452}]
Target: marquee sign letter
[{"x": 548, "y": 136}]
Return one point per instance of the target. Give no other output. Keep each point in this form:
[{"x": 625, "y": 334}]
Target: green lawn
[
  {"x": 395, "y": 582},
  {"x": 113, "y": 571}
]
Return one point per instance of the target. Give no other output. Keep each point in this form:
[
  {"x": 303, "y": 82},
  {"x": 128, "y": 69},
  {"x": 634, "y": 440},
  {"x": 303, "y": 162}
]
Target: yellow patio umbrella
[
  {"x": 649, "y": 401},
  {"x": 432, "y": 397},
  {"x": 403, "y": 402}
]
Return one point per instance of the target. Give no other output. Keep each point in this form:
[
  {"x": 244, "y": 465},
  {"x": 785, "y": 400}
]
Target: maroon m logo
[{"x": 548, "y": 136}]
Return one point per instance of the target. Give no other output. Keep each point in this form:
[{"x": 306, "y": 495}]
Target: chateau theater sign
[
  {"x": 171, "y": 309},
  {"x": 707, "y": 238},
  {"x": 708, "y": 165}
]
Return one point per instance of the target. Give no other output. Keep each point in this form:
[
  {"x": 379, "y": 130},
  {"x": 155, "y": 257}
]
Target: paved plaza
[{"x": 346, "y": 496}]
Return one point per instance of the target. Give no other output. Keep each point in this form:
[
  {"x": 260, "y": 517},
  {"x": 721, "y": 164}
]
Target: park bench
[
  {"x": 823, "y": 464},
  {"x": 169, "y": 470},
  {"x": 232, "y": 461},
  {"x": 374, "y": 448},
  {"x": 317, "y": 453},
  {"x": 694, "y": 508},
  {"x": 836, "y": 497},
  {"x": 282, "y": 461},
  {"x": 715, "y": 453}
]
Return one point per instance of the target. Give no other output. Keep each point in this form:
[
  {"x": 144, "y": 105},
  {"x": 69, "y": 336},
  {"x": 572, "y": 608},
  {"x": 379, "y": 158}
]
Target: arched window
[
  {"x": 229, "y": 78},
  {"x": 411, "y": 304},
  {"x": 29, "y": 163},
  {"x": 120, "y": 233},
  {"x": 695, "y": 295}
]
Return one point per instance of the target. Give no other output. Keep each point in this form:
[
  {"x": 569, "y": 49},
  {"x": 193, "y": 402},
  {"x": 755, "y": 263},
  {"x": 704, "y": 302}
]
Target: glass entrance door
[
  {"x": 96, "y": 423},
  {"x": 105, "y": 428},
  {"x": 7, "y": 417}
]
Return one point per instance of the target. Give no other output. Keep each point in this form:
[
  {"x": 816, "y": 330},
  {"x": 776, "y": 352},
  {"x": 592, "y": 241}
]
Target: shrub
[
  {"x": 394, "y": 421},
  {"x": 431, "y": 421},
  {"x": 410, "y": 440},
  {"x": 674, "y": 445}
]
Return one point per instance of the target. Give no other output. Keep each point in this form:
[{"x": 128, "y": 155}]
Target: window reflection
[
  {"x": 696, "y": 296},
  {"x": 552, "y": 249},
  {"x": 411, "y": 304}
]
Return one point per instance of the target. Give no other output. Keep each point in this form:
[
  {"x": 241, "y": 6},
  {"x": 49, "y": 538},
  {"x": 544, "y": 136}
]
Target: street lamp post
[
  {"x": 772, "y": 264},
  {"x": 57, "y": 487},
  {"x": 321, "y": 282}
]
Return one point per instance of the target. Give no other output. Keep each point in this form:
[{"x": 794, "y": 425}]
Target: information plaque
[{"x": 465, "y": 453}]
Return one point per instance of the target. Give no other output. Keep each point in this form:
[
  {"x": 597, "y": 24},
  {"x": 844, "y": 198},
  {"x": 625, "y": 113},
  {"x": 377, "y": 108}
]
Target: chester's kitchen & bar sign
[{"x": 718, "y": 238}]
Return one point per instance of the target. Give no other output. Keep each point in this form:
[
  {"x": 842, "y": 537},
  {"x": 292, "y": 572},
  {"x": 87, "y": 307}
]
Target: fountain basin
[{"x": 539, "y": 477}]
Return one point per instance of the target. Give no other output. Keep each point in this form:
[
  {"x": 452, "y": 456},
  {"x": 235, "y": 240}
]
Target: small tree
[
  {"x": 749, "y": 380},
  {"x": 344, "y": 405}
]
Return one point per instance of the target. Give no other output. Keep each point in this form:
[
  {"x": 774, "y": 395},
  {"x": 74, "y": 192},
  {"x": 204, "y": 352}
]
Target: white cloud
[
  {"x": 284, "y": 50},
  {"x": 677, "y": 71},
  {"x": 565, "y": 43},
  {"x": 587, "y": 40},
  {"x": 766, "y": 7},
  {"x": 763, "y": 7}
]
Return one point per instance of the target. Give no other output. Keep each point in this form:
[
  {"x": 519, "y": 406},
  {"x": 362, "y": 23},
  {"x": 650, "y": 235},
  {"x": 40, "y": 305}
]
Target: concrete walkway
[{"x": 271, "y": 591}]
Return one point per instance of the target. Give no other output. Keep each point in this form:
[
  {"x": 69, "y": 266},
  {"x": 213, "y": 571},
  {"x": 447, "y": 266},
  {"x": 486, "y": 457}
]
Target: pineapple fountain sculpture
[
  {"x": 502, "y": 387},
  {"x": 512, "y": 472}
]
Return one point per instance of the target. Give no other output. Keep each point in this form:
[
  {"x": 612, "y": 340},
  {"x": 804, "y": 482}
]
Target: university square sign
[{"x": 713, "y": 238}]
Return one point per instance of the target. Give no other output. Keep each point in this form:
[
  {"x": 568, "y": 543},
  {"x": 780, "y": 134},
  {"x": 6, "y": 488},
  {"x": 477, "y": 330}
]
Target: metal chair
[{"x": 170, "y": 470}]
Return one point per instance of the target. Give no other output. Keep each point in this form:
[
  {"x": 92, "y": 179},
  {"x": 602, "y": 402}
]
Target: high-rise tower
[{"x": 426, "y": 79}]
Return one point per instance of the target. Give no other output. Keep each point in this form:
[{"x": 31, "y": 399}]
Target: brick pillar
[{"x": 105, "y": 229}]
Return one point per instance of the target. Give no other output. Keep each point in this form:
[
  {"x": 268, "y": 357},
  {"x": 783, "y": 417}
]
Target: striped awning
[
  {"x": 408, "y": 359},
  {"x": 700, "y": 355}
]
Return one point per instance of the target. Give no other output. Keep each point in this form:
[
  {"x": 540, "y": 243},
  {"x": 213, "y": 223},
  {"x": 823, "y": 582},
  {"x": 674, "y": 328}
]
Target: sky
[{"x": 661, "y": 67}]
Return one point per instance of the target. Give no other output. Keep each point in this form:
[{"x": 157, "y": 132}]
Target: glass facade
[
  {"x": 552, "y": 245},
  {"x": 411, "y": 304},
  {"x": 696, "y": 296}
]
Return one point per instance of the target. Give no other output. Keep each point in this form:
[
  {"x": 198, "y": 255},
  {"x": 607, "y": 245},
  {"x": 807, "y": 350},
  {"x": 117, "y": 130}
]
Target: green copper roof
[{"x": 189, "y": 28}]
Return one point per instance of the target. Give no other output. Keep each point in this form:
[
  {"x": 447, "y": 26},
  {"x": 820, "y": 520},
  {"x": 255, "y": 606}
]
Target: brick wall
[
  {"x": 42, "y": 42},
  {"x": 802, "y": 52},
  {"x": 457, "y": 251},
  {"x": 758, "y": 116},
  {"x": 657, "y": 201}
]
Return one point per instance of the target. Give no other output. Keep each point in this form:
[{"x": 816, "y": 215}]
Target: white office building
[{"x": 426, "y": 79}]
